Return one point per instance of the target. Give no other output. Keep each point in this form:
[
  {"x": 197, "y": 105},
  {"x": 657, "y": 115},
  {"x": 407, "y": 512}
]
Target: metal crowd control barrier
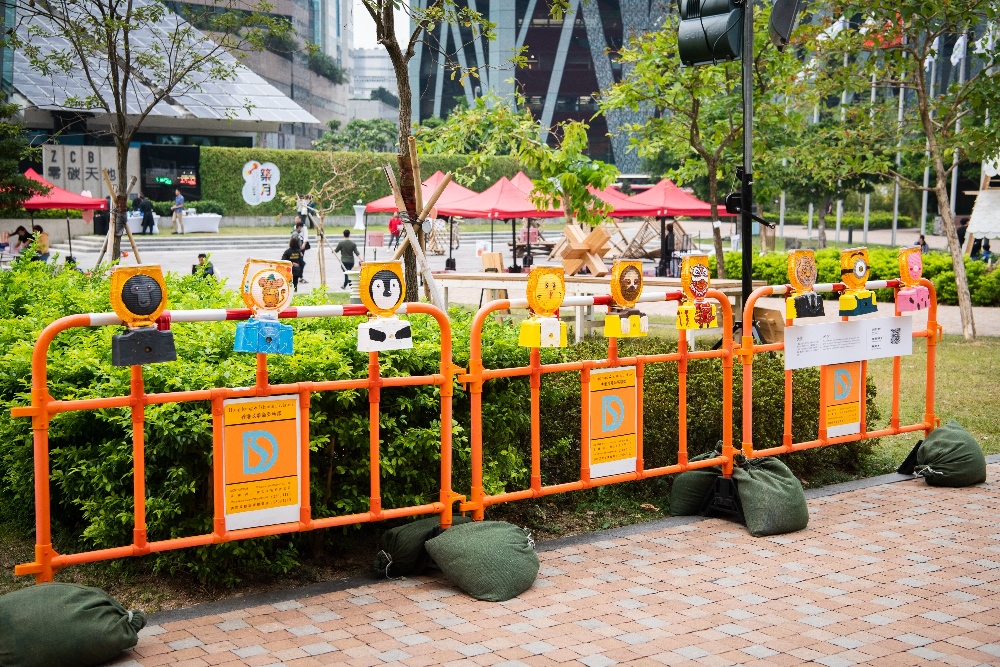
[
  {"x": 748, "y": 349},
  {"x": 43, "y": 407},
  {"x": 478, "y": 375}
]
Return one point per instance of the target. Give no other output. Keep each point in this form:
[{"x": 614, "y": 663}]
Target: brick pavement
[{"x": 900, "y": 574}]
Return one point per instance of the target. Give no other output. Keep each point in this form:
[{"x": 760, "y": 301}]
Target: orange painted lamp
[
  {"x": 383, "y": 287},
  {"x": 696, "y": 312},
  {"x": 266, "y": 290},
  {"x": 546, "y": 291},
  {"x": 138, "y": 296},
  {"x": 912, "y": 295},
  {"x": 623, "y": 319},
  {"x": 856, "y": 300},
  {"x": 803, "y": 302}
]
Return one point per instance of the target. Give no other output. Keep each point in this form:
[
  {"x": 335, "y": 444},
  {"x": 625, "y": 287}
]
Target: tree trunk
[
  {"x": 119, "y": 216},
  {"x": 713, "y": 191},
  {"x": 406, "y": 185},
  {"x": 957, "y": 257},
  {"x": 821, "y": 221}
]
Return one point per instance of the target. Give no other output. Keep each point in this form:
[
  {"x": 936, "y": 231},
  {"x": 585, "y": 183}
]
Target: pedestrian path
[{"x": 886, "y": 574}]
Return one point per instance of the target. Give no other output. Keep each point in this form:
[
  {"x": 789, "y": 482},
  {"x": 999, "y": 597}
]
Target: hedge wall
[
  {"x": 221, "y": 180},
  {"x": 876, "y": 220}
]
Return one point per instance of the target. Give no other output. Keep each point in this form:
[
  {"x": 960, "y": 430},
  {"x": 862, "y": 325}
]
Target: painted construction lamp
[
  {"x": 803, "y": 302},
  {"x": 382, "y": 290},
  {"x": 911, "y": 295},
  {"x": 696, "y": 312},
  {"x": 546, "y": 291},
  {"x": 856, "y": 300},
  {"x": 623, "y": 319},
  {"x": 138, "y": 296},
  {"x": 266, "y": 291}
]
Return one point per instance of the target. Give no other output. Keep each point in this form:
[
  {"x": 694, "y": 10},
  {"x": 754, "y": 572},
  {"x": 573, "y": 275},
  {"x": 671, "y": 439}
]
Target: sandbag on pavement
[
  {"x": 772, "y": 497},
  {"x": 489, "y": 560},
  {"x": 689, "y": 490},
  {"x": 64, "y": 625},
  {"x": 403, "y": 552},
  {"x": 950, "y": 456}
]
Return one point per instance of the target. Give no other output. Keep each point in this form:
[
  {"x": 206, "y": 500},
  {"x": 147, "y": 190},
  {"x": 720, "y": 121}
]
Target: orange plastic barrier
[
  {"x": 748, "y": 349},
  {"x": 478, "y": 375},
  {"x": 43, "y": 406}
]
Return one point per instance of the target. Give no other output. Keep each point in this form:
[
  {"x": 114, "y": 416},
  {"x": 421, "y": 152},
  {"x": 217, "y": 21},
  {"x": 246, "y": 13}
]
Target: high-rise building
[
  {"x": 372, "y": 70},
  {"x": 570, "y": 61}
]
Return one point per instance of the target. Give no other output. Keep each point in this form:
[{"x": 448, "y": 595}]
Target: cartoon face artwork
[
  {"x": 138, "y": 294},
  {"x": 802, "y": 270},
  {"x": 911, "y": 266},
  {"x": 141, "y": 295},
  {"x": 265, "y": 286},
  {"x": 626, "y": 282},
  {"x": 546, "y": 290},
  {"x": 854, "y": 268},
  {"x": 382, "y": 287},
  {"x": 695, "y": 279}
]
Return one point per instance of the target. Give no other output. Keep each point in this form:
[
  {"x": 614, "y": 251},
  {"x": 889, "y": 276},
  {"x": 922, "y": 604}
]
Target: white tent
[{"x": 985, "y": 220}]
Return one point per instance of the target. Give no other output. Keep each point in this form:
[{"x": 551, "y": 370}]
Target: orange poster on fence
[
  {"x": 261, "y": 464},
  {"x": 842, "y": 384},
  {"x": 613, "y": 421}
]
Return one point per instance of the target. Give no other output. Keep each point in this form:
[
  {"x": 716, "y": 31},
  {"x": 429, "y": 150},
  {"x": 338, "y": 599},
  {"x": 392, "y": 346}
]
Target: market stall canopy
[
  {"x": 453, "y": 192},
  {"x": 501, "y": 201},
  {"x": 522, "y": 182},
  {"x": 985, "y": 220},
  {"x": 59, "y": 198},
  {"x": 624, "y": 206},
  {"x": 670, "y": 200}
]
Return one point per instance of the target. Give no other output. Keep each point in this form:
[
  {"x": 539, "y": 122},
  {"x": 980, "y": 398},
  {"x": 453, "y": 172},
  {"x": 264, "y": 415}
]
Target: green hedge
[
  {"x": 162, "y": 208},
  {"x": 772, "y": 268},
  {"x": 876, "y": 220},
  {"x": 221, "y": 181},
  {"x": 91, "y": 451}
]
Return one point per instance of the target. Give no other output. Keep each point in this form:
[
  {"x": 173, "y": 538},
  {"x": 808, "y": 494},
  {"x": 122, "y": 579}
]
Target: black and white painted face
[{"x": 386, "y": 289}]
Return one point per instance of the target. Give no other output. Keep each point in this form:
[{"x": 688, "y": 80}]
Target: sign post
[
  {"x": 613, "y": 421},
  {"x": 261, "y": 461}
]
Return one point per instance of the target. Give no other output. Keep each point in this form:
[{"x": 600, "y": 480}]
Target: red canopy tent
[
  {"x": 624, "y": 206},
  {"x": 522, "y": 181},
  {"x": 453, "y": 192},
  {"x": 59, "y": 198},
  {"x": 502, "y": 200},
  {"x": 670, "y": 200}
]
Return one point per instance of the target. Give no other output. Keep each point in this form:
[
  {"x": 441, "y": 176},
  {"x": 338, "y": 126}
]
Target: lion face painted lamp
[
  {"x": 266, "y": 290},
  {"x": 623, "y": 319},
  {"x": 912, "y": 295},
  {"x": 546, "y": 291},
  {"x": 803, "y": 302},
  {"x": 856, "y": 300},
  {"x": 382, "y": 290},
  {"x": 696, "y": 312},
  {"x": 138, "y": 296}
]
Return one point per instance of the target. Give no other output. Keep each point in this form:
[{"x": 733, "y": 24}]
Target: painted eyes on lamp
[{"x": 860, "y": 268}]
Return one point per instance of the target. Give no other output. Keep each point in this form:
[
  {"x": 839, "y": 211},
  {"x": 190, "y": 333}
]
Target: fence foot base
[{"x": 724, "y": 499}]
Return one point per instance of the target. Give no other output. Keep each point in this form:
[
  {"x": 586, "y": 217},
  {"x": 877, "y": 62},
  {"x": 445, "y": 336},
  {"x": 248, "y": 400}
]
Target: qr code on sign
[{"x": 894, "y": 337}]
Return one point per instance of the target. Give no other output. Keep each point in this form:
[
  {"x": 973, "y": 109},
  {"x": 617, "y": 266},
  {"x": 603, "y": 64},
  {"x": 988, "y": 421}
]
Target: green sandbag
[
  {"x": 688, "y": 492},
  {"x": 64, "y": 624},
  {"x": 489, "y": 560},
  {"x": 772, "y": 498},
  {"x": 950, "y": 456},
  {"x": 403, "y": 553}
]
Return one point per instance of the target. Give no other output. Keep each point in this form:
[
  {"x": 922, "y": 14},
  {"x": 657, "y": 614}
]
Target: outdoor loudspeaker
[{"x": 783, "y": 16}]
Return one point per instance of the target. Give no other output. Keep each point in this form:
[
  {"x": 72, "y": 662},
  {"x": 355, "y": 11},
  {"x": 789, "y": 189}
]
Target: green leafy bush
[
  {"x": 220, "y": 169},
  {"x": 876, "y": 220},
  {"x": 984, "y": 285},
  {"x": 326, "y": 67},
  {"x": 91, "y": 451}
]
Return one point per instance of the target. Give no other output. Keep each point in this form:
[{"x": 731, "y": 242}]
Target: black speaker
[{"x": 783, "y": 16}]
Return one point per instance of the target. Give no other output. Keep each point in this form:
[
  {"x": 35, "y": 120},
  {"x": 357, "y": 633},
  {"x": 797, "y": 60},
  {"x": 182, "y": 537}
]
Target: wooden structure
[{"x": 578, "y": 250}]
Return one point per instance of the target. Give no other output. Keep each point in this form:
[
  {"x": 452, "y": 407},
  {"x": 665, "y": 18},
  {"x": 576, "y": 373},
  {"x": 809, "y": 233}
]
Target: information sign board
[
  {"x": 841, "y": 342},
  {"x": 842, "y": 394},
  {"x": 261, "y": 461},
  {"x": 613, "y": 421}
]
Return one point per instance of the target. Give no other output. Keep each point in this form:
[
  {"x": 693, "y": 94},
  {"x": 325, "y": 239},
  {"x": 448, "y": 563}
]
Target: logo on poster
[
  {"x": 841, "y": 384},
  {"x": 612, "y": 413},
  {"x": 266, "y": 454}
]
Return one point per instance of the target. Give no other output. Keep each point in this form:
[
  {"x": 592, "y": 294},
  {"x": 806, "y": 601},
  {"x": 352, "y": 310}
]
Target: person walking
[
  {"x": 177, "y": 212},
  {"x": 146, "y": 208},
  {"x": 348, "y": 250},
  {"x": 294, "y": 255},
  {"x": 395, "y": 230}
]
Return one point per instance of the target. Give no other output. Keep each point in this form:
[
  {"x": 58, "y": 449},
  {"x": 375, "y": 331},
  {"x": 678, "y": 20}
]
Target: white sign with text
[{"x": 842, "y": 342}]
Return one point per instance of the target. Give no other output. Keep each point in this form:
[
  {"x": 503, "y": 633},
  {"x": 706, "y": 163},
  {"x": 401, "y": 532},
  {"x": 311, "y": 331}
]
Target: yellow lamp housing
[
  {"x": 854, "y": 268},
  {"x": 542, "y": 332},
  {"x": 698, "y": 315},
  {"x": 626, "y": 282},
  {"x": 266, "y": 287},
  {"x": 802, "y": 271},
  {"x": 138, "y": 294},
  {"x": 695, "y": 278},
  {"x": 383, "y": 287},
  {"x": 546, "y": 290},
  {"x": 628, "y": 324},
  {"x": 911, "y": 266}
]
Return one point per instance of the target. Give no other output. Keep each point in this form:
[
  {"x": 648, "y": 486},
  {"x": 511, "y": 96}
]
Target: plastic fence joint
[{"x": 26, "y": 411}]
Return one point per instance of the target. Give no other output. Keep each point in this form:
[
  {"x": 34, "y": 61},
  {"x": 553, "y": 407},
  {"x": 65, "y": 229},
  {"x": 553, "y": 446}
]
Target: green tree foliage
[
  {"x": 325, "y": 66},
  {"x": 697, "y": 119},
  {"x": 367, "y": 136},
  {"x": 17, "y": 188},
  {"x": 492, "y": 128},
  {"x": 383, "y": 95}
]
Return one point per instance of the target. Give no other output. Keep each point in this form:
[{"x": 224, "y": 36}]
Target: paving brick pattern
[{"x": 901, "y": 574}]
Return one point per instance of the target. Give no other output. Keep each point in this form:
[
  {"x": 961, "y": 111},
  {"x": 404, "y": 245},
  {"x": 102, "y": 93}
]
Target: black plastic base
[
  {"x": 449, "y": 264},
  {"x": 142, "y": 346},
  {"x": 723, "y": 499}
]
